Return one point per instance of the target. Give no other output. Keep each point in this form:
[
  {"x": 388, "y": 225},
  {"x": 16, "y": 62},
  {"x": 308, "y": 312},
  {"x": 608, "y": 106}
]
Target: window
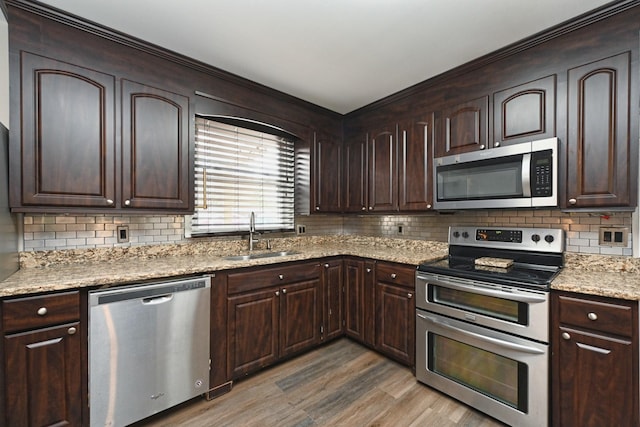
[{"x": 239, "y": 171}]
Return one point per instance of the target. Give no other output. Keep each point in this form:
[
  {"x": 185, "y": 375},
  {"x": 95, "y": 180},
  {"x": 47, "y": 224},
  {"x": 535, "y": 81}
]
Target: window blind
[{"x": 239, "y": 171}]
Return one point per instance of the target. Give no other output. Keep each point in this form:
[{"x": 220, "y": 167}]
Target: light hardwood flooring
[{"x": 339, "y": 384}]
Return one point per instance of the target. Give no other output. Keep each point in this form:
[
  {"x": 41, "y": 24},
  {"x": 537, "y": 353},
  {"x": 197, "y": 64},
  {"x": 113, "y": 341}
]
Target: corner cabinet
[
  {"x": 327, "y": 173},
  {"x": 594, "y": 361},
  {"x": 355, "y": 175},
  {"x": 601, "y": 169},
  {"x": 68, "y": 156},
  {"x": 333, "y": 291}
]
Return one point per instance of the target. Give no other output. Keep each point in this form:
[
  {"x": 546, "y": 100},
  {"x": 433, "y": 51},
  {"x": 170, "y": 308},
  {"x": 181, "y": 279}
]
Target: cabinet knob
[
  {"x": 277, "y": 293},
  {"x": 42, "y": 311},
  {"x": 566, "y": 336},
  {"x": 592, "y": 316},
  {"x": 364, "y": 208},
  {"x": 482, "y": 146},
  {"x": 428, "y": 206},
  {"x": 393, "y": 275},
  {"x": 370, "y": 208},
  {"x": 409, "y": 295},
  {"x": 497, "y": 144},
  {"x": 317, "y": 208},
  {"x": 326, "y": 266},
  {"x": 72, "y": 330},
  {"x": 368, "y": 270},
  {"x": 284, "y": 291},
  {"x": 281, "y": 276},
  {"x": 572, "y": 201},
  {"x": 109, "y": 201},
  {"x": 127, "y": 202}
]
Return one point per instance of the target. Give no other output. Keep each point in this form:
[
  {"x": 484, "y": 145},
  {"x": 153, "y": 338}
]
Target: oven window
[
  {"x": 496, "y": 376},
  {"x": 499, "y": 308}
]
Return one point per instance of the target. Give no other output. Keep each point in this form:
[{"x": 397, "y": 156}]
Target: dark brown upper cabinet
[
  {"x": 66, "y": 157},
  {"x": 463, "y": 127},
  {"x": 155, "y": 148},
  {"x": 415, "y": 157},
  {"x": 327, "y": 173},
  {"x": 525, "y": 112},
  {"x": 598, "y": 140},
  {"x": 383, "y": 170},
  {"x": 355, "y": 175}
]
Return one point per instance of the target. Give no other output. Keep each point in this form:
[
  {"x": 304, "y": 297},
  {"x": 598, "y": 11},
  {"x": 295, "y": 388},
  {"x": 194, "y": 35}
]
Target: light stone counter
[
  {"x": 72, "y": 269},
  {"x": 610, "y": 276}
]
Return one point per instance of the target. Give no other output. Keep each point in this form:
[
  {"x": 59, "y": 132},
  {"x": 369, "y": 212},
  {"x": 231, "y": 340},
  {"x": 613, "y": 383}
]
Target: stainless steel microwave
[{"x": 515, "y": 176}]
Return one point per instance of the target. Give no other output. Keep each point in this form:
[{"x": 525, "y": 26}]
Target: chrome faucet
[{"x": 252, "y": 230}]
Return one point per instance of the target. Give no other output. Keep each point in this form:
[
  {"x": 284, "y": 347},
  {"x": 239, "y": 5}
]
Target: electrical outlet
[
  {"x": 400, "y": 228},
  {"x": 613, "y": 236},
  {"x": 302, "y": 229},
  {"x": 123, "y": 233}
]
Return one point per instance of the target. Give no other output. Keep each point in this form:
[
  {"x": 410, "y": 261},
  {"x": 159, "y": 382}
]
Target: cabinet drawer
[
  {"x": 271, "y": 276},
  {"x": 604, "y": 316},
  {"x": 39, "y": 311},
  {"x": 392, "y": 273}
]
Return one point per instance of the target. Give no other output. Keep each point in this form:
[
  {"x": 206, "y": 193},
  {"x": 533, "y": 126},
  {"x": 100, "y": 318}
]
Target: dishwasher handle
[{"x": 157, "y": 300}]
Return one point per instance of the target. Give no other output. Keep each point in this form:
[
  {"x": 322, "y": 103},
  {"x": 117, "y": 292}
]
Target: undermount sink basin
[{"x": 258, "y": 256}]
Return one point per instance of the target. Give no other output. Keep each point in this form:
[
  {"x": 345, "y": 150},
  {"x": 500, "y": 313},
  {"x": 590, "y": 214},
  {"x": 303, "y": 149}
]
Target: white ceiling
[{"x": 340, "y": 54}]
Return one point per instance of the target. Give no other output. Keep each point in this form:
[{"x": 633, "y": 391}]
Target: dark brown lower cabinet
[
  {"x": 359, "y": 300},
  {"x": 395, "y": 312},
  {"x": 594, "y": 362},
  {"x": 268, "y": 324},
  {"x": 43, "y": 377},
  {"x": 333, "y": 291}
]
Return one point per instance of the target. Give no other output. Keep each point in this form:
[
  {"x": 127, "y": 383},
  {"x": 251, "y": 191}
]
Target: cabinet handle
[
  {"x": 409, "y": 295},
  {"x": 566, "y": 336},
  {"x": 109, "y": 201},
  {"x": 572, "y": 201},
  {"x": 482, "y": 146},
  {"x": 370, "y": 208},
  {"x": 284, "y": 290},
  {"x": 592, "y": 316},
  {"x": 277, "y": 293},
  {"x": 368, "y": 270},
  {"x": 393, "y": 275},
  {"x": 428, "y": 206},
  {"x": 497, "y": 144},
  {"x": 317, "y": 208},
  {"x": 364, "y": 208},
  {"x": 71, "y": 330},
  {"x": 42, "y": 311},
  {"x": 326, "y": 266},
  {"x": 280, "y": 276},
  {"x": 127, "y": 202}
]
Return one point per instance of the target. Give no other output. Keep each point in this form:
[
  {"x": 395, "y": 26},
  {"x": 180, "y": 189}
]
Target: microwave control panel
[{"x": 541, "y": 174}]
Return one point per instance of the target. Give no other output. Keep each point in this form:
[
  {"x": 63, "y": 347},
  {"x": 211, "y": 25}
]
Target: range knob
[
  {"x": 465, "y": 234},
  {"x": 548, "y": 238},
  {"x": 456, "y": 234},
  {"x": 535, "y": 238}
]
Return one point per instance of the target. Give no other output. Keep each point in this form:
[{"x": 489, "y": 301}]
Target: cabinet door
[
  {"x": 354, "y": 299},
  {"x": 395, "y": 328},
  {"x": 327, "y": 173},
  {"x": 43, "y": 375},
  {"x": 369, "y": 308},
  {"x": 333, "y": 280},
  {"x": 415, "y": 140},
  {"x": 155, "y": 148},
  {"x": 355, "y": 176},
  {"x": 463, "y": 128},
  {"x": 598, "y": 144},
  {"x": 525, "y": 112},
  {"x": 66, "y": 156},
  {"x": 252, "y": 322},
  {"x": 299, "y": 316},
  {"x": 595, "y": 376},
  {"x": 383, "y": 170}
]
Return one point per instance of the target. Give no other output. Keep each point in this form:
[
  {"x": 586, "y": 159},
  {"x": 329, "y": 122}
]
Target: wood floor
[{"x": 339, "y": 384}]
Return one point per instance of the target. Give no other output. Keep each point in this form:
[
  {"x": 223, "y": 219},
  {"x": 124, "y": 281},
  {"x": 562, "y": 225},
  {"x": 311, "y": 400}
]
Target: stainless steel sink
[{"x": 258, "y": 256}]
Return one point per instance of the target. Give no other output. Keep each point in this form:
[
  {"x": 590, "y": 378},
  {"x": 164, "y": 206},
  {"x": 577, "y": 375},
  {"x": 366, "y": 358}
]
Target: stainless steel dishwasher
[{"x": 148, "y": 348}]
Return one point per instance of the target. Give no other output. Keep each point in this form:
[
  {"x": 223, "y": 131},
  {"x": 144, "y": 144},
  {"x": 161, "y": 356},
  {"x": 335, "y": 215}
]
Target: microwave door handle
[
  {"x": 495, "y": 341},
  {"x": 526, "y": 175}
]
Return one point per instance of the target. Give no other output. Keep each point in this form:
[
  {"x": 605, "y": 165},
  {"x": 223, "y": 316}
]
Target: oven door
[
  {"x": 519, "y": 311},
  {"x": 499, "y": 374}
]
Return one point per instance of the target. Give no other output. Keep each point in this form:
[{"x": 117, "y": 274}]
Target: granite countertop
[{"x": 60, "y": 270}]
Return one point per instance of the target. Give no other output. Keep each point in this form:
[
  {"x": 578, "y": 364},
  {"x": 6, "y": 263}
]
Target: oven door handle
[
  {"x": 520, "y": 297},
  {"x": 480, "y": 337}
]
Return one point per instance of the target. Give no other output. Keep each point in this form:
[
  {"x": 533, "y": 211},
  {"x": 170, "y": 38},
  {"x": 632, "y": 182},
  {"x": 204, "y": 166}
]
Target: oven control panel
[{"x": 532, "y": 239}]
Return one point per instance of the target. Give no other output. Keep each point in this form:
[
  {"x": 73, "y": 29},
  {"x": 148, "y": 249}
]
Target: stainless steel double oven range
[{"x": 482, "y": 320}]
